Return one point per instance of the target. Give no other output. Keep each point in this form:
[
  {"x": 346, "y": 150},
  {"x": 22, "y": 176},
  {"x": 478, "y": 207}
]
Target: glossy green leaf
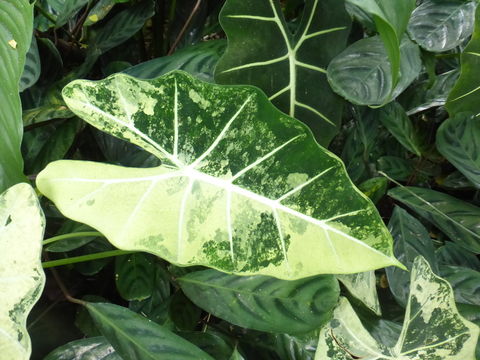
[
  {"x": 465, "y": 283},
  {"x": 264, "y": 303},
  {"x": 391, "y": 19},
  {"x": 289, "y": 67},
  {"x": 410, "y": 240},
  {"x": 441, "y": 25},
  {"x": 136, "y": 338},
  {"x": 432, "y": 329},
  {"x": 21, "y": 276},
  {"x": 375, "y": 188},
  {"x": 459, "y": 220},
  {"x": 211, "y": 342},
  {"x": 243, "y": 188},
  {"x": 458, "y": 139},
  {"x": 362, "y": 72},
  {"x": 66, "y": 9},
  {"x": 135, "y": 276},
  {"x": 99, "y": 11},
  {"x": 198, "y": 60},
  {"x": 184, "y": 313},
  {"x": 395, "y": 119},
  {"x": 32, "y": 67},
  {"x": 16, "y": 22},
  {"x": 452, "y": 254},
  {"x": 236, "y": 355},
  {"x": 97, "y": 348},
  {"x": 397, "y": 168},
  {"x": 363, "y": 286},
  {"x": 465, "y": 96}
]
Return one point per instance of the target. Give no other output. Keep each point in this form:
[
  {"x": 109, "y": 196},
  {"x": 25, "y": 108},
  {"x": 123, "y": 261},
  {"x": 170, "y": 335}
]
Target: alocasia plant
[
  {"x": 21, "y": 276},
  {"x": 289, "y": 66},
  {"x": 243, "y": 188},
  {"x": 432, "y": 329}
]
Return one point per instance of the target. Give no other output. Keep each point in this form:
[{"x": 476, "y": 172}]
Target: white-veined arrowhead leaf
[
  {"x": 433, "y": 329},
  {"x": 289, "y": 66},
  {"x": 21, "y": 275},
  {"x": 243, "y": 187}
]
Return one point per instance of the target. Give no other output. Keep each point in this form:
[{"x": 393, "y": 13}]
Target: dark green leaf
[
  {"x": 452, "y": 254},
  {"x": 32, "y": 68},
  {"x": 210, "y": 342},
  {"x": 410, "y": 240},
  {"x": 374, "y": 188},
  {"x": 459, "y": 220},
  {"x": 465, "y": 96},
  {"x": 16, "y": 17},
  {"x": 72, "y": 243},
  {"x": 184, "y": 313},
  {"x": 289, "y": 67},
  {"x": 135, "y": 276},
  {"x": 362, "y": 73},
  {"x": 396, "y": 167},
  {"x": 440, "y": 25},
  {"x": 136, "y": 338},
  {"x": 264, "y": 303},
  {"x": 99, "y": 11},
  {"x": 458, "y": 139},
  {"x": 465, "y": 283},
  {"x": 199, "y": 60}
]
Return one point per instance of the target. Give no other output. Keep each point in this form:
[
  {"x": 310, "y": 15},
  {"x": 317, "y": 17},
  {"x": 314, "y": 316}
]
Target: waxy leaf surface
[
  {"x": 432, "y": 329},
  {"x": 16, "y": 18},
  {"x": 264, "y": 303},
  {"x": 243, "y": 188},
  {"x": 289, "y": 67},
  {"x": 465, "y": 96},
  {"x": 21, "y": 275}
]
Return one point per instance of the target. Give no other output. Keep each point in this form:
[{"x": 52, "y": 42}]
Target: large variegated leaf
[
  {"x": 465, "y": 96},
  {"x": 21, "y": 275},
  {"x": 243, "y": 187},
  {"x": 16, "y": 22},
  {"x": 433, "y": 329},
  {"x": 289, "y": 67}
]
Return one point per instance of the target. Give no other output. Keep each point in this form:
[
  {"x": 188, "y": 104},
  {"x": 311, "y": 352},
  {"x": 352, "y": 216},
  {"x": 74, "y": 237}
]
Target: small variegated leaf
[
  {"x": 243, "y": 187},
  {"x": 433, "y": 329}
]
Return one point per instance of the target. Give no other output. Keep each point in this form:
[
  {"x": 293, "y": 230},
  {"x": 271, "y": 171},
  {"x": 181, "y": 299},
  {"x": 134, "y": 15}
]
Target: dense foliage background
[{"x": 393, "y": 90}]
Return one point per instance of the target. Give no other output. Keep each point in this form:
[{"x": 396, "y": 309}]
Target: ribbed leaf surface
[
  {"x": 94, "y": 348},
  {"x": 289, "y": 67},
  {"x": 264, "y": 303},
  {"x": 243, "y": 188}
]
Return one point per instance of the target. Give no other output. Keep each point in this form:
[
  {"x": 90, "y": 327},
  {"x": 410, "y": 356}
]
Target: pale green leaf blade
[
  {"x": 362, "y": 72},
  {"x": 441, "y": 25},
  {"x": 21, "y": 275},
  {"x": 243, "y": 189},
  {"x": 136, "y": 338},
  {"x": 97, "y": 348},
  {"x": 289, "y": 67},
  {"x": 459, "y": 220},
  {"x": 264, "y": 303},
  {"x": 458, "y": 139},
  {"x": 16, "y": 22},
  {"x": 363, "y": 286},
  {"x": 465, "y": 96},
  {"x": 432, "y": 329}
]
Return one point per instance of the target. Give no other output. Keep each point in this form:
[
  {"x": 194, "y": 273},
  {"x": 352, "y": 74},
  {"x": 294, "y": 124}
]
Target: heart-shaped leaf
[
  {"x": 441, "y": 25},
  {"x": 21, "y": 275},
  {"x": 432, "y": 329},
  {"x": 264, "y": 303},
  {"x": 465, "y": 96},
  {"x": 16, "y": 18},
  {"x": 289, "y": 67},
  {"x": 243, "y": 188}
]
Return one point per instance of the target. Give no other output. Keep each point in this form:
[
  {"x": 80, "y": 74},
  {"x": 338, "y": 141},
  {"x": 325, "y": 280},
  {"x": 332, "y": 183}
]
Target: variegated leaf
[{"x": 243, "y": 187}]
